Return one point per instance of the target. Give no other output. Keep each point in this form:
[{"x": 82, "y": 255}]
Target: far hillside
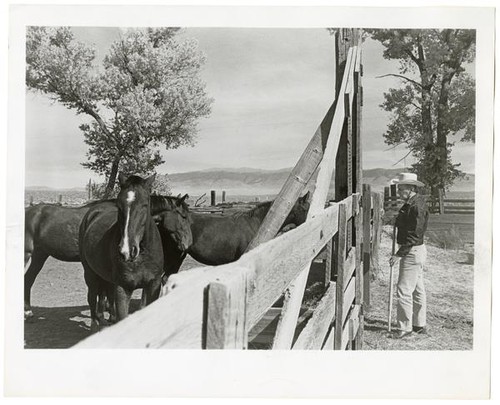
[{"x": 240, "y": 184}]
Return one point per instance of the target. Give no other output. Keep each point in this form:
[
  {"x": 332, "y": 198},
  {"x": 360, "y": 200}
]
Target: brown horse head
[
  {"x": 298, "y": 214},
  {"x": 176, "y": 221},
  {"x": 133, "y": 203}
]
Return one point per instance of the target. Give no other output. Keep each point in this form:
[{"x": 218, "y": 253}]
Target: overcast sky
[{"x": 271, "y": 87}]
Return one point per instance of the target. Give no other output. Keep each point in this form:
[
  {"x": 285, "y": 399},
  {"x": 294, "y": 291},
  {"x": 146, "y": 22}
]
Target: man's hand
[{"x": 393, "y": 260}]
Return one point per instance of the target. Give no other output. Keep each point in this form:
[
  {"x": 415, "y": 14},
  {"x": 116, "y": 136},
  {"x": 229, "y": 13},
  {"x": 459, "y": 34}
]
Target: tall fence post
[
  {"x": 340, "y": 259},
  {"x": 31, "y": 200},
  {"x": 212, "y": 198},
  {"x": 226, "y": 315},
  {"x": 358, "y": 226},
  {"x": 367, "y": 208},
  {"x": 90, "y": 189},
  {"x": 59, "y": 199},
  {"x": 223, "y": 196},
  {"x": 377, "y": 232}
]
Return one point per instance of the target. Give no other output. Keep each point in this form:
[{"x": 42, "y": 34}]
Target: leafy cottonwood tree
[
  {"x": 436, "y": 101},
  {"x": 147, "y": 93}
]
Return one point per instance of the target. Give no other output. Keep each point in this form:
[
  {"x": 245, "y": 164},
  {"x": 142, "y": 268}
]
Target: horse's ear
[
  {"x": 305, "y": 198},
  {"x": 150, "y": 180},
  {"x": 122, "y": 179},
  {"x": 182, "y": 199}
]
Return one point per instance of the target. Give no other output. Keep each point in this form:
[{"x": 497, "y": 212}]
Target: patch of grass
[{"x": 448, "y": 239}]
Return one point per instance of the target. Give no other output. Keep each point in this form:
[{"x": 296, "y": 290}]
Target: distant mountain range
[
  {"x": 269, "y": 182},
  {"x": 254, "y": 182}
]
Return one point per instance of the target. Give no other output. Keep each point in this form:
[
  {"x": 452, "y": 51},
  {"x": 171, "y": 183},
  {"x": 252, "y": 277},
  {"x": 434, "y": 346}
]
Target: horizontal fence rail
[{"x": 443, "y": 206}]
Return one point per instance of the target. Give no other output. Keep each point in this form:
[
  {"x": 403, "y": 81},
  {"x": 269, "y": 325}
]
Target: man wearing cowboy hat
[{"x": 411, "y": 224}]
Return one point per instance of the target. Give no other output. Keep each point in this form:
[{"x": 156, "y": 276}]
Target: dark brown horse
[
  {"x": 52, "y": 230},
  {"x": 223, "y": 239},
  {"x": 121, "y": 249}
]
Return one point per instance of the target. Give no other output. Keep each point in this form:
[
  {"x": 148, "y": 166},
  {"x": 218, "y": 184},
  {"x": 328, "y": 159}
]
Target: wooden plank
[
  {"x": 355, "y": 206},
  {"x": 267, "y": 269},
  {"x": 366, "y": 245},
  {"x": 262, "y": 335},
  {"x": 328, "y": 262},
  {"x": 226, "y": 312},
  {"x": 459, "y": 200},
  {"x": 341, "y": 256},
  {"x": 271, "y": 314},
  {"x": 349, "y": 265},
  {"x": 448, "y": 211},
  {"x": 354, "y": 322},
  {"x": 349, "y": 296},
  {"x": 344, "y": 340},
  {"x": 358, "y": 344},
  {"x": 294, "y": 294},
  {"x": 352, "y": 325},
  {"x": 313, "y": 335},
  {"x": 377, "y": 232},
  {"x": 329, "y": 341}
]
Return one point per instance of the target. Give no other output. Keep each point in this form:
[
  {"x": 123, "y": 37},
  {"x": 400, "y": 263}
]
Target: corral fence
[
  {"x": 217, "y": 307},
  {"x": 440, "y": 205}
]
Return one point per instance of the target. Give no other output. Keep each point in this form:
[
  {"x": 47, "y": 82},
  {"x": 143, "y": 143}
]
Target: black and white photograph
[{"x": 257, "y": 184}]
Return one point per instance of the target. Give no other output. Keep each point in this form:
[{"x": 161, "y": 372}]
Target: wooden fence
[
  {"x": 440, "y": 205},
  {"x": 217, "y": 307}
]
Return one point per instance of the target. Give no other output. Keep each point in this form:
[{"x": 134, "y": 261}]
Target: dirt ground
[{"x": 61, "y": 315}]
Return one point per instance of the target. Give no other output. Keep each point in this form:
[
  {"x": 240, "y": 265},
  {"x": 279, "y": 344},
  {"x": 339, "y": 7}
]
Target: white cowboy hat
[{"x": 407, "y": 178}]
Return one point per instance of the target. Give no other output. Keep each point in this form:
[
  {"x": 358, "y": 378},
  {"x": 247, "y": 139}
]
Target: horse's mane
[
  {"x": 95, "y": 202},
  {"x": 163, "y": 202},
  {"x": 252, "y": 212}
]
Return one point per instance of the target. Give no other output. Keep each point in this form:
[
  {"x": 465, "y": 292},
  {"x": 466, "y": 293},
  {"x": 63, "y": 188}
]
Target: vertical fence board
[
  {"x": 341, "y": 256},
  {"x": 358, "y": 342},
  {"x": 377, "y": 232},
  {"x": 226, "y": 315},
  {"x": 328, "y": 263},
  {"x": 367, "y": 207}
]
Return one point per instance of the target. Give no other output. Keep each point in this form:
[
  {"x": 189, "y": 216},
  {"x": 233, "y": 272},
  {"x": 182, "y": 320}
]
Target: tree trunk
[
  {"x": 442, "y": 128},
  {"x": 112, "y": 177},
  {"x": 427, "y": 83}
]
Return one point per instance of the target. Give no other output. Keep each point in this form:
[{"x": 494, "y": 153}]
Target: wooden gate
[{"x": 216, "y": 307}]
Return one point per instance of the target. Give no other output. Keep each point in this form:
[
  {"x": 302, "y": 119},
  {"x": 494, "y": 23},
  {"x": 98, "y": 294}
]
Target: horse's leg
[
  {"x": 92, "y": 295},
  {"x": 94, "y": 287},
  {"x": 143, "y": 299},
  {"x": 37, "y": 261},
  {"x": 111, "y": 303},
  {"x": 101, "y": 305},
  {"x": 122, "y": 301},
  {"x": 153, "y": 290}
]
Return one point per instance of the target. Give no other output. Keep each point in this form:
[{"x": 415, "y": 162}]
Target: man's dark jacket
[{"x": 411, "y": 224}]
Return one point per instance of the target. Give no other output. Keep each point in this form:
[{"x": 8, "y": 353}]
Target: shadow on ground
[{"x": 60, "y": 327}]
